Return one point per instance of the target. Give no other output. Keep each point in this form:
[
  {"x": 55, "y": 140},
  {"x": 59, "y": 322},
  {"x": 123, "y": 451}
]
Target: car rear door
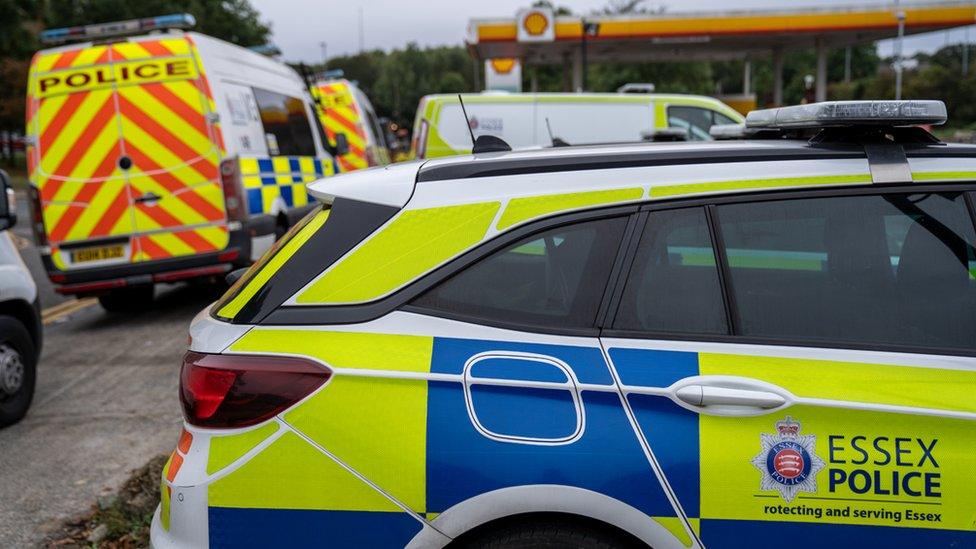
[
  {"x": 802, "y": 369},
  {"x": 74, "y": 157},
  {"x": 172, "y": 148}
]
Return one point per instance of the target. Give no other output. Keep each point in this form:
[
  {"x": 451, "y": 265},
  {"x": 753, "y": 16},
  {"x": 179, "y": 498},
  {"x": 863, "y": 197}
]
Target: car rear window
[{"x": 242, "y": 291}]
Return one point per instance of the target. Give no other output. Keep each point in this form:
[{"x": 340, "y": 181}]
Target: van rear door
[
  {"x": 126, "y": 153},
  {"x": 172, "y": 147},
  {"x": 74, "y": 158}
]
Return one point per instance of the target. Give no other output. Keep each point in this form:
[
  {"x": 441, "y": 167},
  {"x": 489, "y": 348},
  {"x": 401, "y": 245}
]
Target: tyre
[
  {"x": 555, "y": 533},
  {"x": 127, "y": 300},
  {"x": 18, "y": 370}
]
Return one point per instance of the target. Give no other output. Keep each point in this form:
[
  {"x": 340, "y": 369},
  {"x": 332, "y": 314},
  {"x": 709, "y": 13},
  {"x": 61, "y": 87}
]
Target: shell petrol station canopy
[{"x": 536, "y": 36}]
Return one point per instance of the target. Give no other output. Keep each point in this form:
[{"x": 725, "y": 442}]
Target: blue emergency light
[{"x": 117, "y": 28}]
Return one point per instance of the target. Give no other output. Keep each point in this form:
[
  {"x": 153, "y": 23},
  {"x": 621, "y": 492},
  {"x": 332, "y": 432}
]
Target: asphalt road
[{"x": 106, "y": 402}]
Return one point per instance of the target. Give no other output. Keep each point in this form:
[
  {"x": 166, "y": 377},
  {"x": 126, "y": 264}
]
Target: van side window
[
  {"x": 896, "y": 269},
  {"x": 287, "y": 129},
  {"x": 696, "y": 120},
  {"x": 674, "y": 286},
  {"x": 555, "y": 278}
]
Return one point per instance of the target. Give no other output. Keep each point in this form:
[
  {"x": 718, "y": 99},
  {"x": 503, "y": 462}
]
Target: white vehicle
[
  {"x": 533, "y": 120},
  {"x": 761, "y": 343},
  {"x": 163, "y": 156},
  {"x": 20, "y": 319}
]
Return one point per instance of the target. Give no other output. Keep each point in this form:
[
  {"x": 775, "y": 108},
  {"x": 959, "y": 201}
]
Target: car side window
[
  {"x": 696, "y": 120},
  {"x": 673, "y": 286},
  {"x": 287, "y": 129},
  {"x": 554, "y": 278},
  {"x": 897, "y": 269}
]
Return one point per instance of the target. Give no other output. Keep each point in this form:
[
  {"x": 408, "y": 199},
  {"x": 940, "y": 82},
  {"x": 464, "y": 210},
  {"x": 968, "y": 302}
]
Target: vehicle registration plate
[{"x": 97, "y": 254}]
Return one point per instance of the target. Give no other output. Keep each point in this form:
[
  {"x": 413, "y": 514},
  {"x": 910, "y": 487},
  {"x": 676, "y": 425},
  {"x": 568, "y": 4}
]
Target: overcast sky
[{"x": 300, "y": 25}]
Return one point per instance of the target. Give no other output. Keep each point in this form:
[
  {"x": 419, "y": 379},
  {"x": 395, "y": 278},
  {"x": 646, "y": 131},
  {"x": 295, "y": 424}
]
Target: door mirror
[
  {"x": 341, "y": 144},
  {"x": 235, "y": 275},
  {"x": 8, "y": 205}
]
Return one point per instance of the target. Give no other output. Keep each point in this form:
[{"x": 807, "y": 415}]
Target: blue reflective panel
[
  {"x": 525, "y": 412},
  {"x": 524, "y": 369}
]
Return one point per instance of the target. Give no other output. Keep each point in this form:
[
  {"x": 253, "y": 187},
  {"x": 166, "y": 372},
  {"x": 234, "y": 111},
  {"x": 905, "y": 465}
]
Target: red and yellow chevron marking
[
  {"x": 339, "y": 113},
  {"x": 157, "y": 117}
]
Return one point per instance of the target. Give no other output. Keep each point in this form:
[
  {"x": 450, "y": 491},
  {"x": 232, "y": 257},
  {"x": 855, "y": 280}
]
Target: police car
[{"x": 757, "y": 343}]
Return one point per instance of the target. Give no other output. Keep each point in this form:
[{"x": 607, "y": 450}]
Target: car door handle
[{"x": 706, "y": 395}]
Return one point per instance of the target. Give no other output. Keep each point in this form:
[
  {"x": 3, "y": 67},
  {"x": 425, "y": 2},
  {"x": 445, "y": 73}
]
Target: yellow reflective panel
[
  {"x": 662, "y": 191},
  {"x": 872, "y": 468},
  {"x": 164, "y": 505},
  {"x": 852, "y": 381},
  {"x": 523, "y": 209},
  {"x": 677, "y": 528},
  {"x": 224, "y": 450},
  {"x": 388, "y": 352},
  {"x": 412, "y": 244},
  {"x": 292, "y": 474},
  {"x": 377, "y": 426}
]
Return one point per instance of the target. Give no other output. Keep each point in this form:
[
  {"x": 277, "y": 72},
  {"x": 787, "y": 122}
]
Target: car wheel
[
  {"x": 18, "y": 373},
  {"x": 127, "y": 300},
  {"x": 550, "y": 534}
]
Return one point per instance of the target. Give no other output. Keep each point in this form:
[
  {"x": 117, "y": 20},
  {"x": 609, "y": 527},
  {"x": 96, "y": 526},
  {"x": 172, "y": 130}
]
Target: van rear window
[{"x": 287, "y": 129}]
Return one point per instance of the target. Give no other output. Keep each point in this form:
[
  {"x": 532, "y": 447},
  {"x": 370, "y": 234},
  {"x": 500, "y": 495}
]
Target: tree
[{"x": 235, "y": 21}]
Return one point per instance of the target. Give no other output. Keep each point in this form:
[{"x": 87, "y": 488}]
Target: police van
[
  {"x": 532, "y": 120},
  {"x": 158, "y": 155},
  {"x": 344, "y": 110},
  {"x": 766, "y": 342}
]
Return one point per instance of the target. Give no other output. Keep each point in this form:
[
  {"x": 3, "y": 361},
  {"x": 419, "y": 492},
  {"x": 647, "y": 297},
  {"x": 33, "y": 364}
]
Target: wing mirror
[{"x": 8, "y": 204}]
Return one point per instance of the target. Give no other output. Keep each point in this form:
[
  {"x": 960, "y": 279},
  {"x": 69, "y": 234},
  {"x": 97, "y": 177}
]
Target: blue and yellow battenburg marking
[
  {"x": 267, "y": 179},
  {"x": 428, "y": 445},
  {"x": 819, "y": 475}
]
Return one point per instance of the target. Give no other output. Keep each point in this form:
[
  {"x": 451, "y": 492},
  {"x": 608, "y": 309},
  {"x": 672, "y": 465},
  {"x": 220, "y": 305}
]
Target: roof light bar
[
  {"x": 117, "y": 28},
  {"x": 849, "y": 113},
  {"x": 729, "y": 131}
]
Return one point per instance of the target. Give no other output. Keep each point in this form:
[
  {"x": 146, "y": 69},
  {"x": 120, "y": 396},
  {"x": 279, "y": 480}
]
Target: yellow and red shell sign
[
  {"x": 503, "y": 65},
  {"x": 535, "y": 23}
]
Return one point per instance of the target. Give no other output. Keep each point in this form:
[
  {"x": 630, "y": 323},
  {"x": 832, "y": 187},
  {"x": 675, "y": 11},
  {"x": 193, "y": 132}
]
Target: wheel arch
[
  {"x": 548, "y": 499},
  {"x": 28, "y": 315}
]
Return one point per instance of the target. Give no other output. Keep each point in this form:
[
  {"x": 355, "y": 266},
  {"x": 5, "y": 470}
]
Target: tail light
[
  {"x": 230, "y": 180},
  {"x": 232, "y": 391},
  {"x": 37, "y": 217}
]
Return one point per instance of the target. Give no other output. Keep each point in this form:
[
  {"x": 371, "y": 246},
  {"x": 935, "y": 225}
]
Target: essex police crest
[{"x": 788, "y": 460}]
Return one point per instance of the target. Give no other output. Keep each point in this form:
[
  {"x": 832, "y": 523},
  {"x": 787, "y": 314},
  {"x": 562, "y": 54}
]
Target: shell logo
[
  {"x": 503, "y": 65},
  {"x": 535, "y": 23}
]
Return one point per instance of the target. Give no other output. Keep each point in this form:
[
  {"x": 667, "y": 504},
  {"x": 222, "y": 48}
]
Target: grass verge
[{"x": 120, "y": 521}]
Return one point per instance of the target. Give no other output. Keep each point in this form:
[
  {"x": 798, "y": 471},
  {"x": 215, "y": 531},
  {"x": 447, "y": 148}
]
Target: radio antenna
[{"x": 467, "y": 121}]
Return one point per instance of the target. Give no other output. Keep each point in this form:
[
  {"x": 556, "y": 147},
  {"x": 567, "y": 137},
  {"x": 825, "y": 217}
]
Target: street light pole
[
  {"x": 898, "y": 50},
  {"x": 325, "y": 57}
]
